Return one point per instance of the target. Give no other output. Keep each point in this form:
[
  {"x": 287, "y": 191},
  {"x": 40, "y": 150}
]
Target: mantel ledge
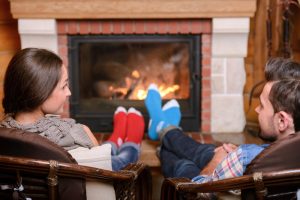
[{"x": 131, "y": 9}]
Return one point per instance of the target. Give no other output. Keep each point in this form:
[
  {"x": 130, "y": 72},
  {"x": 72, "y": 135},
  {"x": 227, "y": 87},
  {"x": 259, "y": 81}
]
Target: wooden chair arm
[
  {"x": 135, "y": 177},
  {"x": 183, "y": 188}
]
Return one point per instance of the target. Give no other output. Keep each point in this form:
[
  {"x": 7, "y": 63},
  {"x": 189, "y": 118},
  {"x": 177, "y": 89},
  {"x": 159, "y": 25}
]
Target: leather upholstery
[
  {"x": 19, "y": 143},
  {"x": 280, "y": 155}
]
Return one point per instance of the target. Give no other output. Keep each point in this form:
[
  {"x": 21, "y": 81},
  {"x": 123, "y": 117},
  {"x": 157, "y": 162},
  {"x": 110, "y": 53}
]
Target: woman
[{"x": 35, "y": 90}]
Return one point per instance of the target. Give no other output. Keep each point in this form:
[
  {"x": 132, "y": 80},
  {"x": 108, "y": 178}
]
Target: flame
[
  {"x": 135, "y": 74},
  {"x": 163, "y": 90},
  {"x": 139, "y": 90}
]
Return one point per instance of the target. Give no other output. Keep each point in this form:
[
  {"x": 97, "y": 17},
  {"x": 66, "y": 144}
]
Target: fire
[
  {"x": 135, "y": 74},
  {"x": 135, "y": 89},
  {"x": 163, "y": 90}
]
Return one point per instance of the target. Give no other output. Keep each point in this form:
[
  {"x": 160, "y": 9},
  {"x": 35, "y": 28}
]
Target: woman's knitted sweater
[{"x": 63, "y": 131}]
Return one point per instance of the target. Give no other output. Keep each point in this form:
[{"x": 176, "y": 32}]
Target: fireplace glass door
[{"x": 111, "y": 71}]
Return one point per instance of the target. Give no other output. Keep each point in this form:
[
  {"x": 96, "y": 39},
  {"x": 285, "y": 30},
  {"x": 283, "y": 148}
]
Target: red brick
[
  {"x": 139, "y": 27},
  {"x": 205, "y": 82},
  {"x": 205, "y": 115},
  {"x": 206, "y": 72},
  {"x": 206, "y": 27},
  {"x": 84, "y": 27},
  {"x": 206, "y": 49},
  {"x": 206, "y": 61},
  {"x": 196, "y": 26},
  {"x": 206, "y": 39},
  {"x": 62, "y": 40},
  {"x": 162, "y": 27},
  {"x": 72, "y": 27},
  {"x": 206, "y": 93},
  {"x": 95, "y": 27},
  {"x": 184, "y": 26},
  {"x": 106, "y": 27},
  {"x": 172, "y": 27},
  {"x": 63, "y": 50},
  {"x": 117, "y": 27},
  {"x": 151, "y": 27},
  {"x": 206, "y": 104},
  {"x": 61, "y": 27},
  {"x": 128, "y": 27}
]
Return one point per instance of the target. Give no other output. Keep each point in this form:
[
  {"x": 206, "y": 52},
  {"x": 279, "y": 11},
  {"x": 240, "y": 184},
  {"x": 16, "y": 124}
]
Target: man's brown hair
[{"x": 285, "y": 96}]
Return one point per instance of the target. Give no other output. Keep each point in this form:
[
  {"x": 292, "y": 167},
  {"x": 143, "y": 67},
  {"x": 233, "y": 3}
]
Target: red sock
[
  {"x": 135, "y": 126},
  {"x": 119, "y": 133}
]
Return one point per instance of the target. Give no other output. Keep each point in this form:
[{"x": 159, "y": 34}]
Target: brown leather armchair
[
  {"x": 32, "y": 166},
  {"x": 273, "y": 174}
]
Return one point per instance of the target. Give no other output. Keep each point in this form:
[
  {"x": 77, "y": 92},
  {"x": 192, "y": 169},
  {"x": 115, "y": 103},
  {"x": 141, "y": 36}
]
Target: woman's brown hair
[{"x": 31, "y": 76}]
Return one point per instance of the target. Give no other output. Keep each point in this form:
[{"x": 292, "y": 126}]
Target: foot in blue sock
[
  {"x": 153, "y": 104},
  {"x": 171, "y": 111}
]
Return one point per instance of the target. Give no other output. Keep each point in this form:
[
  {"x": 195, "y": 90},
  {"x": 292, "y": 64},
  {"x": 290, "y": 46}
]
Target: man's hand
[
  {"x": 229, "y": 147},
  {"x": 220, "y": 154}
]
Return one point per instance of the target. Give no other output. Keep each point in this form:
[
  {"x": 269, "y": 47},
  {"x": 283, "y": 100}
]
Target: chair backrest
[
  {"x": 14, "y": 142},
  {"x": 280, "y": 155},
  {"x": 19, "y": 143}
]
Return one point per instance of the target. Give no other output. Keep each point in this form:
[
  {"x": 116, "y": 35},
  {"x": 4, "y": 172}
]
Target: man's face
[{"x": 266, "y": 115}]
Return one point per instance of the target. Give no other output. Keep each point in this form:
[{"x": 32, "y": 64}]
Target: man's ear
[{"x": 285, "y": 121}]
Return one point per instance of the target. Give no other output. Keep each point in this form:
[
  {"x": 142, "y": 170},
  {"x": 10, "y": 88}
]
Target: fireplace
[
  {"x": 222, "y": 28},
  {"x": 113, "y": 70},
  {"x": 188, "y": 36}
]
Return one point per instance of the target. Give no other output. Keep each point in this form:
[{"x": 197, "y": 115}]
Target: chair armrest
[
  {"x": 183, "y": 188},
  {"x": 143, "y": 180},
  {"x": 132, "y": 182}
]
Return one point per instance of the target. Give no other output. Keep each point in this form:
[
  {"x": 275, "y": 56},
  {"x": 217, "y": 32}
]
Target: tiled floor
[{"x": 149, "y": 157}]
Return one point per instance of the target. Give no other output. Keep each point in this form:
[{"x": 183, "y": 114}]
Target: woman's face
[{"x": 55, "y": 102}]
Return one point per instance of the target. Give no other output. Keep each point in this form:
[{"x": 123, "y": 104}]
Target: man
[{"x": 181, "y": 156}]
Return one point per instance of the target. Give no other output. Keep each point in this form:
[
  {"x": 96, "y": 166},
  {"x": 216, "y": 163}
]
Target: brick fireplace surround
[
  {"x": 224, "y": 28},
  {"x": 135, "y": 27}
]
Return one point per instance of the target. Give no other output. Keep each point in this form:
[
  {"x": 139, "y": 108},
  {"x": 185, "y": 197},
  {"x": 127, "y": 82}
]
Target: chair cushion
[{"x": 99, "y": 156}]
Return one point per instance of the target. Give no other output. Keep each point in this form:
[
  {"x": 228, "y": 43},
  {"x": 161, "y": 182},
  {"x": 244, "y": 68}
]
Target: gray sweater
[{"x": 63, "y": 131}]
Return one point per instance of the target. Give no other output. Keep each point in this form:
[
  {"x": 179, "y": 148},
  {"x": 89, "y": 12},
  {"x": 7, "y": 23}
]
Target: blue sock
[
  {"x": 171, "y": 111},
  {"x": 153, "y": 104}
]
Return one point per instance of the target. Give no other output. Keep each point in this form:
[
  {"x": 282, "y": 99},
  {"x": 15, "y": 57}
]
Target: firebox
[{"x": 108, "y": 71}]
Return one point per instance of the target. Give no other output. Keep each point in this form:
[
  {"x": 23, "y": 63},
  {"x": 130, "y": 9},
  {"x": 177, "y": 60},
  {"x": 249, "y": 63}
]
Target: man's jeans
[
  {"x": 127, "y": 153},
  {"x": 181, "y": 156}
]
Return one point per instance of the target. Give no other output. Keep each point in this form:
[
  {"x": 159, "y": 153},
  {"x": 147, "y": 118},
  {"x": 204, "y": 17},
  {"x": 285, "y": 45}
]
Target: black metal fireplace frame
[{"x": 102, "y": 122}]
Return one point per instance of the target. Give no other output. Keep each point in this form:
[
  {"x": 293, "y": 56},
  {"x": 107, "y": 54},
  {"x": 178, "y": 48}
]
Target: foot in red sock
[
  {"x": 119, "y": 132},
  {"x": 135, "y": 126}
]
